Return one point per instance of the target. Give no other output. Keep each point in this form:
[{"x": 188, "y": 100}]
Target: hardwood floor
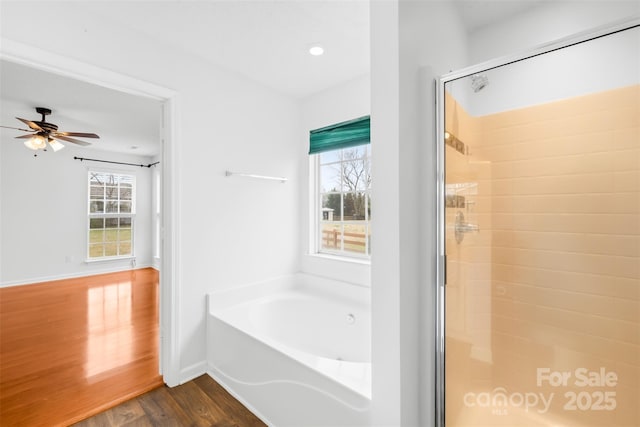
[
  {"x": 201, "y": 402},
  {"x": 73, "y": 348}
]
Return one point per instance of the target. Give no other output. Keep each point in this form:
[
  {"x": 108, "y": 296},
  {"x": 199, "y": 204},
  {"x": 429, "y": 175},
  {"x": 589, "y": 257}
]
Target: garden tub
[{"x": 295, "y": 350}]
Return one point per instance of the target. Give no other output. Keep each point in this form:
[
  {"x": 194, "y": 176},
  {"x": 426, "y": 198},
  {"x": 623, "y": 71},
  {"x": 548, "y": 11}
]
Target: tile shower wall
[
  {"x": 558, "y": 203},
  {"x": 468, "y": 290}
]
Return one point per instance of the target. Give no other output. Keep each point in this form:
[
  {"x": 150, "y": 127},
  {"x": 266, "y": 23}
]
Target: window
[
  {"x": 111, "y": 208},
  {"x": 342, "y": 164},
  {"x": 345, "y": 195}
]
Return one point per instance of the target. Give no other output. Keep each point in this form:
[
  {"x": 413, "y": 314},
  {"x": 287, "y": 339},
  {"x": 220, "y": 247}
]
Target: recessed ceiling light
[{"x": 316, "y": 50}]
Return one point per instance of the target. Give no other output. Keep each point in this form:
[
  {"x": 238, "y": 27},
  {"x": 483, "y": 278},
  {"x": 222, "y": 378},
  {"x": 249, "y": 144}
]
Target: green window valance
[{"x": 340, "y": 135}]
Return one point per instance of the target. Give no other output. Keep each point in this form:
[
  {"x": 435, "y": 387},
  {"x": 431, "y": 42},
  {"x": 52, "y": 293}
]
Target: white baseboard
[
  {"x": 193, "y": 371},
  {"x": 86, "y": 273}
]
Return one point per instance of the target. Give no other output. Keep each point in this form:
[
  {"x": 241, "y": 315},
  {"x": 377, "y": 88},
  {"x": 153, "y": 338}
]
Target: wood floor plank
[
  {"x": 72, "y": 348},
  {"x": 162, "y": 409},
  {"x": 138, "y": 422},
  {"x": 200, "y": 402},
  {"x": 100, "y": 420},
  {"x": 125, "y": 413},
  {"x": 197, "y": 404},
  {"x": 226, "y": 403}
]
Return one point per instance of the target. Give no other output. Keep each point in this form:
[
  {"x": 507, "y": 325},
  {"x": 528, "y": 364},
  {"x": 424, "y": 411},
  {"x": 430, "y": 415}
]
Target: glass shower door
[{"x": 542, "y": 239}]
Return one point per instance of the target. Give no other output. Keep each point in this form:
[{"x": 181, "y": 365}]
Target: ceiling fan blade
[
  {"x": 24, "y": 130},
  {"x": 31, "y": 124},
  {"x": 25, "y": 136},
  {"x": 79, "y": 134},
  {"x": 72, "y": 140}
]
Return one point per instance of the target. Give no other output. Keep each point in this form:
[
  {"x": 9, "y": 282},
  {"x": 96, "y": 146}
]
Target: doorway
[
  {"x": 539, "y": 278},
  {"x": 169, "y": 292}
]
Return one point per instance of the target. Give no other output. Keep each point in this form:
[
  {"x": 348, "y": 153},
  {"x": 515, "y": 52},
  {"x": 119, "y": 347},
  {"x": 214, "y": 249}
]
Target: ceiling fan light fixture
[
  {"x": 55, "y": 145},
  {"x": 36, "y": 142}
]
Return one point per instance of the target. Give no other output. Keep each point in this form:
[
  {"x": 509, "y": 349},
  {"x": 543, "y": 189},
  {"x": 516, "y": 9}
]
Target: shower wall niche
[{"x": 542, "y": 298}]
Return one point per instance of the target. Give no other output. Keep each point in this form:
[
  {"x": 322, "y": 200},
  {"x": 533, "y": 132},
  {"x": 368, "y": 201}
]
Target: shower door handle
[
  {"x": 467, "y": 228},
  {"x": 461, "y": 227}
]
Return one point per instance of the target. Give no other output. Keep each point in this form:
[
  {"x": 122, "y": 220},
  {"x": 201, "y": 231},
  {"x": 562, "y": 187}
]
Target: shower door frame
[{"x": 575, "y": 39}]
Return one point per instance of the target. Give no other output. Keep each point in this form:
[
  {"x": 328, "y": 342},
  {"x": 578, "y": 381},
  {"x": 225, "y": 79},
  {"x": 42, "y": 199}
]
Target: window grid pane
[{"x": 96, "y": 251}]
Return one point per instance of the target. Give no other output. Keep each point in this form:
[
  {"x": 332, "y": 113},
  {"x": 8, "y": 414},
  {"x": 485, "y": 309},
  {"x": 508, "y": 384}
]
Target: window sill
[
  {"x": 115, "y": 258},
  {"x": 350, "y": 260}
]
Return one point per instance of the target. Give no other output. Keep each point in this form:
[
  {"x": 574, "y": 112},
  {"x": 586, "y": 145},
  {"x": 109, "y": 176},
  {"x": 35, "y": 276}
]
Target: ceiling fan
[{"x": 43, "y": 132}]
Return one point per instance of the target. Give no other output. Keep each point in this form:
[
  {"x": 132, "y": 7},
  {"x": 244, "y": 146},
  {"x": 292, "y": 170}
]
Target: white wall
[
  {"x": 336, "y": 104},
  {"x": 385, "y": 269},
  {"x": 556, "y": 75},
  {"x": 232, "y": 230},
  {"x": 550, "y": 21},
  {"x": 414, "y": 41},
  {"x": 44, "y": 205}
]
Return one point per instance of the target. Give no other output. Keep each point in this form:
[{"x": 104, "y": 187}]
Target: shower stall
[{"x": 539, "y": 236}]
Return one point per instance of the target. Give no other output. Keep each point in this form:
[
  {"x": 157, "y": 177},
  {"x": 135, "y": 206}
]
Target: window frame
[
  {"x": 316, "y": 203},
  {"x": 111, "y": 215},
  {"x": 157, "y": 179}
]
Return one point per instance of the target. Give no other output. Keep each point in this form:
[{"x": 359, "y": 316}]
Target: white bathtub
[{"x": 294, "y": 350}]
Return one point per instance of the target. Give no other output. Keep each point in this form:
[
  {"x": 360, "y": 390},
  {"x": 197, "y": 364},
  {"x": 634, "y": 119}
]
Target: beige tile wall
[{"x": 558, "y": 205}]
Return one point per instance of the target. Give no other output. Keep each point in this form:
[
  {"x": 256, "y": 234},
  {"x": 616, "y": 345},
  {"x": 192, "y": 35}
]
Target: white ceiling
[
  {"x": 476, "y": 14},
  {"x": 266, "y": 41},
  {"x": 121, "y": 120}
]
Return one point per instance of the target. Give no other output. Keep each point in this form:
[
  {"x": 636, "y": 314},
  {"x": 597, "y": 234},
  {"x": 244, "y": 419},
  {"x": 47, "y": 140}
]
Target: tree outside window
[{"x": 345, "y": 193}]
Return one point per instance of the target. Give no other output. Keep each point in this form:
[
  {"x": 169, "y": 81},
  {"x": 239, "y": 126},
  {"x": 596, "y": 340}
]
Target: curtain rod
[{"x": 115, "y": 163}]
